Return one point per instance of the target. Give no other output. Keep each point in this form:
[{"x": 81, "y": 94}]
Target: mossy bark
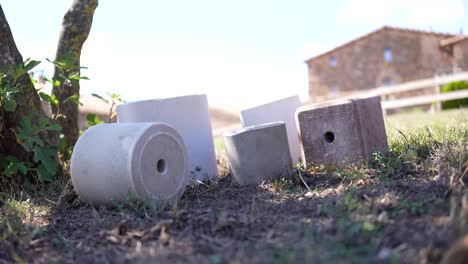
[
  {"x": 76, "y": 26},
  {"x": 27, "y": 99}
]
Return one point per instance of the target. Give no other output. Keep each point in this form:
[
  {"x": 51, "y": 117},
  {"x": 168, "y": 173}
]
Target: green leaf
[
  {"x": 52, "y": 99},
  {"x": 45, "y": 97},
  {"x": 28, "y": 142},
  {"x": 100, "y": 97},
  {"x": 43, "y": 174},
  {"x": 14, "y": 166},
  {"x": 74, "y": 98},
  {"x": 47, "y": 157},
  {"x": 10, "y": 105},
  {"x": 30, "y": 64},
  {"x": 27, "y": 134},
  {"x": 25, "y": 124},
  {"x": 55, "y": 127},
  {"x": 55, "y": 100},
  {"x": 56, "y": 83},
  {"x": 93, "y": 119},
  {"x": 76, "y": 77},
  {"x": 19, "y": 71},
  {"x": 11, "y": 89}
]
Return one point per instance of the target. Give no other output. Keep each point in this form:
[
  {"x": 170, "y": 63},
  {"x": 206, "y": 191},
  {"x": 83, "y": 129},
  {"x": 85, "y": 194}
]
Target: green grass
[
  {"x": 414, "y": 121},
  {"x": 219, "y": 145}
]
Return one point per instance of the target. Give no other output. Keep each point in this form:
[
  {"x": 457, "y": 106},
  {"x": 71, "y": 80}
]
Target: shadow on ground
[{"x": 346, "y": 218}]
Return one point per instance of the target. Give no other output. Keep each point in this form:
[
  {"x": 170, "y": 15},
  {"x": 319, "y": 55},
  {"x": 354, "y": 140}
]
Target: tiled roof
[
  {"x": 452, "y": 40},
  {"x": 384, "y": 28}
]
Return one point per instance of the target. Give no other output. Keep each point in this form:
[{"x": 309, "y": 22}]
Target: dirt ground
[{"x": 347, "y": 218}]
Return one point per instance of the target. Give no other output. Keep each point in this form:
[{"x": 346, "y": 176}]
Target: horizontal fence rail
[
  {"x": 409, "y": 101},
  {"x": 425, "y": 99},
  {"x": 420, "y": 84}
]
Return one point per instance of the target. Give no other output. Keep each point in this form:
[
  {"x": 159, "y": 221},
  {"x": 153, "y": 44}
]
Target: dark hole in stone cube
[{"x": 329, "y": 137}]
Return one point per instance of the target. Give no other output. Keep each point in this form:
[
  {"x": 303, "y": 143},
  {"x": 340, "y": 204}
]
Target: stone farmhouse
[{"x": 385, "y": 57}]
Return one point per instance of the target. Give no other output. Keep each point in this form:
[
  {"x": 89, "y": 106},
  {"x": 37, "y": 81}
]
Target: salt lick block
[
  {"x": 342, "y": 132},
  {"x": 281, "y": 110},
  {"x": 258, "y": 153},
  {"x": 190, "y": 117},
  {"x": 111, "y": 161}
]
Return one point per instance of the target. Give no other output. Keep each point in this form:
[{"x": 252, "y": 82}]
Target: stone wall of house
[
  {"x": 460, "y": 55},
  {"x": 361, "y": 65}
]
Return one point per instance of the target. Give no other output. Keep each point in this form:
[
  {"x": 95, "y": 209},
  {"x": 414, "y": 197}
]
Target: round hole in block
[
  {"x": 329, "y": 137},
  {"x": 161, "y": 166}
]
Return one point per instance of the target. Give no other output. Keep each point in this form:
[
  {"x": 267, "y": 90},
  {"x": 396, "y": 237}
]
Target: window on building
[
  {"x": 334, "y": 90},
  {"x": 447, "y": 51},
  {"x": 388, "y": 55},
  {"x": 333, "y": 61},
  {"x": 387, "y": 81}
]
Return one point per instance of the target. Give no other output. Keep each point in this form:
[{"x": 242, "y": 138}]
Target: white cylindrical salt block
[
  {"x": 258, "y": 153},
  {"x": 190, "y": 117},
  {"x": 280, "y": 110},
  {"x": 110, "y": 161}
]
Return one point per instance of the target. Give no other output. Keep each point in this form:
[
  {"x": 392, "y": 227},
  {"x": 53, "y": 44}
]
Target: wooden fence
[{"x": 436, "y": 97}]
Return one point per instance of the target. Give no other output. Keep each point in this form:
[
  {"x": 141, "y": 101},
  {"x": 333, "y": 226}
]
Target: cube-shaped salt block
[
  {"x": 258, "y": 153},
  {"x": 342, "y": 132}
]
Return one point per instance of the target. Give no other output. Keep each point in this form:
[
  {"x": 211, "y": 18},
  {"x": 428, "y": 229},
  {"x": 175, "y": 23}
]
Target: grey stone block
[
  {"x": 279, "y": 110},
  {"x": 258, "y": 153},
  {"x": 342, "y": 132}
]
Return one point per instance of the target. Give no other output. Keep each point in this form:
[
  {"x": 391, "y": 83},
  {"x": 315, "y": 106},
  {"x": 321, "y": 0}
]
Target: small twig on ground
[{"x": 303, "y": 181}]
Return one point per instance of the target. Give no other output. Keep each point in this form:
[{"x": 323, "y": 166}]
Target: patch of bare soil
[{"x": 345, "y": 217}]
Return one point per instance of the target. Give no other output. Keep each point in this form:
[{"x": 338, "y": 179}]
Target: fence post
[{"x": 438, "y": 103}]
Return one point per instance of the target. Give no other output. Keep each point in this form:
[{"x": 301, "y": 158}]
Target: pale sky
[{"x": 239, "y": 52}]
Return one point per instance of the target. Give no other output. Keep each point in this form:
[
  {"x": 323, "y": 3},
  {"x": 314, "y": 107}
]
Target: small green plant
[
  {"x": 387, "y": 165},
  {"x": 9, "y": 85},
  {"x": 455, "y": 86},
  {"x": 42, "y": 163},
  {"x": 68, "y": 72},
  {"x": 140, "y": 207},
  {"x": 44, "y": 157},
  {"x": 114, "y": 99},
  {"x": 93, "y": 119},
  {"x": 282, "y": 184}
]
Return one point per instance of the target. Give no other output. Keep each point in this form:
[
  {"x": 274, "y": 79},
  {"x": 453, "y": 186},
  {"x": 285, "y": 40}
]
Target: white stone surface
[
  {"x": 258, "y": 153},
  {"x": 110, "y": 161},
  {"x": 190, "y": 117},
  {"x": 280, "y": 110}
]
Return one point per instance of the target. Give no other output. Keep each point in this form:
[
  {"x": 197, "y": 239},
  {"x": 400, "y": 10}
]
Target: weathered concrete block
[
  {"x": 342, "y": 132},
  {"x": 258, "y": 153},
  {"x": 109, "y": 161},
  {"x": 190, "y": 117},
  {"x": 280, "y": 110}
]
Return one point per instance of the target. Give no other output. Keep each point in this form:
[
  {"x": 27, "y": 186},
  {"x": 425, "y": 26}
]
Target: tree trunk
[
  {"x": 76, "y": 26},
  {"x": 27, "y": 99}
]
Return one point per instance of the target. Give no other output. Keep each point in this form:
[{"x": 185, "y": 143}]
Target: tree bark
[
  {"x": 76, "y": 26},
  {"x": 27, "y": 99}
]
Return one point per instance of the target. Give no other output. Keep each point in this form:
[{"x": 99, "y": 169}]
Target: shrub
[{"x": 455, "y": 86}]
